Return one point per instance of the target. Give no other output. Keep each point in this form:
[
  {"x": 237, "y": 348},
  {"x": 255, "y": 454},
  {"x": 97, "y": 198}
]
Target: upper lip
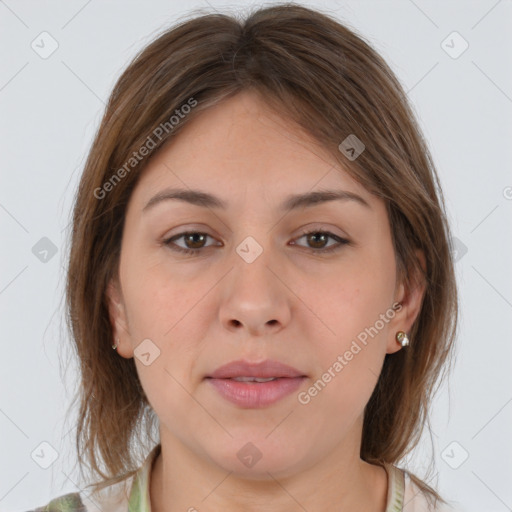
[{"x": 265, "y": 369}]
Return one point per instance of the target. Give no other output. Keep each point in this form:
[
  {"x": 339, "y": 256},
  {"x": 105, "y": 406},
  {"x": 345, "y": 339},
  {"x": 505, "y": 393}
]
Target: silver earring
[
  {"x": 117, "y": 343},
  {"x": 402, "y": 338}
]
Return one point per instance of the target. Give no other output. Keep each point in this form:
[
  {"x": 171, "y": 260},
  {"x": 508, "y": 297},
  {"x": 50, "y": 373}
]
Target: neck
[{"x": 182, "y": 480}]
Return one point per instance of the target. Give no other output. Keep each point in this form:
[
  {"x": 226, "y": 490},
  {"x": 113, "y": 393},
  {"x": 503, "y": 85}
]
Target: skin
[{"x": 292, "y": 305}]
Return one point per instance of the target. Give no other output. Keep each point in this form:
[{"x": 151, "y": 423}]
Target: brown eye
[
  {"x": 194, "y": 242},
  {"x": 317, "y": 241}
]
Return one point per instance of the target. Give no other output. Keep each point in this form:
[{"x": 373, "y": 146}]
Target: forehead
[{"x": 241, "y": 147}]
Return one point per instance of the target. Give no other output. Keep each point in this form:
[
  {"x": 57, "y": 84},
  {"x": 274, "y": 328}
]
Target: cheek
[
  {"x": 158, "y": 295},
  {"x": 169, "y": 309},
  {"x": 368, "y": 286},
  {"x": 346, "y": 374},
  {"x": 166, "y": 389},
  {"x": 343, "y": 306},
  {"x": 349, "y": 335},
  {"x": 164, "y": 310}
]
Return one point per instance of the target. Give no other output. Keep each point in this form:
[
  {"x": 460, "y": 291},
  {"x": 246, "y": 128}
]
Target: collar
[
  {"x": 396, "y": 488},
  {"x": 139, "y": 500}
]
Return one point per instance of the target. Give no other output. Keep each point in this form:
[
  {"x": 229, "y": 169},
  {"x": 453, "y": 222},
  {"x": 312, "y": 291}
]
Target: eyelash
[{"x": 195, "y": 252}]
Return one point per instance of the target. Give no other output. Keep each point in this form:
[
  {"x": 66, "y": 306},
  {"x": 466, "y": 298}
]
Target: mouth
[
  {"x": 268, "y": 369},
  {"x": 255, "y": 385},
  {"x": 254, "y": 379}
]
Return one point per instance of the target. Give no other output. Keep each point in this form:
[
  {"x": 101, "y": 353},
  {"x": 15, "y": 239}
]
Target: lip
[
  {"x": 265, "y": 369},
  {"x": 253, "y": 395}
]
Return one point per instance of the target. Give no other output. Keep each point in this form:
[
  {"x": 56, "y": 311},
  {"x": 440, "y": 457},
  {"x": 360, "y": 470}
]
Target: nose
[{"x": 255, "y": 298}]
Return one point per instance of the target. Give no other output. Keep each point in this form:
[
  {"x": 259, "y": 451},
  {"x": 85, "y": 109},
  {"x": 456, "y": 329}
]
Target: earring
[
  {"x": 402, "y": 338},
  {"x": 117, "y": 343}
]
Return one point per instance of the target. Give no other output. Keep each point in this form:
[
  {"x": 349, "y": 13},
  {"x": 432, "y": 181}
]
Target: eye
[
  {"x": 194, "y": 238},
  {"x": 318, "y": 238},
  {"x": 195, "y": 241}
]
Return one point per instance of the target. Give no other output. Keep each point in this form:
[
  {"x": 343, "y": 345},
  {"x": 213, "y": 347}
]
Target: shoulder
[
  {"x": 416, "y": 501},
  {"x": 132, "y": 494},
  {"x": 66, "y": 502},
  {"x": 114, "y": 498}
]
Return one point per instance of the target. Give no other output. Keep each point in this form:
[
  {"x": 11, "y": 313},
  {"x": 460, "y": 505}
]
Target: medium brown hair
[{"x": 317, "y": 72}]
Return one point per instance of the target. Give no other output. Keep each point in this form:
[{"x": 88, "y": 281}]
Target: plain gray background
[{"x": 50, "y": 109}]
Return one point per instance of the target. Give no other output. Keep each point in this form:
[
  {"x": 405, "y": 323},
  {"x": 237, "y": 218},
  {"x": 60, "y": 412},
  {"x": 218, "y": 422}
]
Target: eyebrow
[{"x": 292, "y": 202}]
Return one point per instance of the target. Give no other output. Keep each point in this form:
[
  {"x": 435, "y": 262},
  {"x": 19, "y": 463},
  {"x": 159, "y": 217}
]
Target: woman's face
[{"x": 255, "y": 288}]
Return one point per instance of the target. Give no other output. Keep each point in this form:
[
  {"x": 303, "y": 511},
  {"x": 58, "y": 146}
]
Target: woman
[{"x": 260, "y": 235}]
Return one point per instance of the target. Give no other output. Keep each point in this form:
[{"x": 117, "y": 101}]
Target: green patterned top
[{"x": 132, "y": 495}]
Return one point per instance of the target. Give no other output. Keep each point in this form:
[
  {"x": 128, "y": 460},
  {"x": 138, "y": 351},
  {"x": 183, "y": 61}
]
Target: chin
[{"x": 253, "y": 458}]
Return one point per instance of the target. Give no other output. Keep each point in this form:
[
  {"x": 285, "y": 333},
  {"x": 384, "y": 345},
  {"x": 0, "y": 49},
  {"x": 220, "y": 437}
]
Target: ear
[
  {"x": 410, "y": 296},
  {"x": 118, "y": 319}
]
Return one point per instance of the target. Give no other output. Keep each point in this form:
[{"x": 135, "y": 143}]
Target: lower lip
[{"x": 256, "y": 394}]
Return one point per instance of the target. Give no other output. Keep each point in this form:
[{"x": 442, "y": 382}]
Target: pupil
[
  {"x": 314, "y": 235},
  {"x": 194, "y": 235}
]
